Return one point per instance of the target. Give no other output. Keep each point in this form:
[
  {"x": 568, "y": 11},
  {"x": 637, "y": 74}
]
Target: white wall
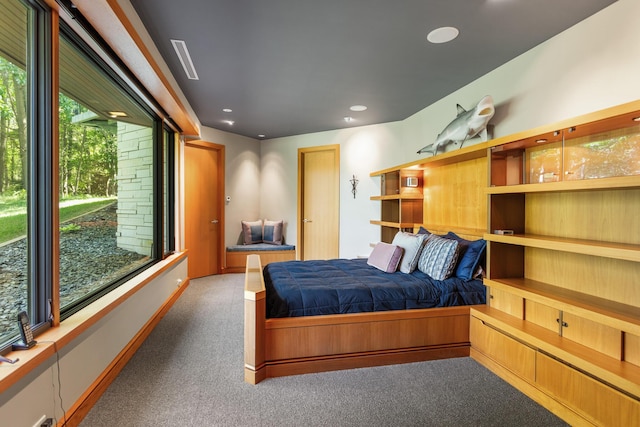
[
  {"x": 51, "y": 387},
  {"x": 591, "y": 66},
  {"x": 242, "y": 178}
]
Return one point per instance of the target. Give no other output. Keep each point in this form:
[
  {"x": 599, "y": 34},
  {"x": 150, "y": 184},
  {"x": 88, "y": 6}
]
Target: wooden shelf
[
  {"x": 622, "y": 375},
  {"x": 395, "y": 224},
  {"x": 627, "y": 252},
  {"x": 578, "y": 185},
  {"x": 398, "y": 197},
  {"x": 607, "y": 312}
]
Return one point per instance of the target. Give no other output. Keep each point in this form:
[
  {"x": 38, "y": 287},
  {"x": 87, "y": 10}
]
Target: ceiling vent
[{"x": 185, "y": 59}]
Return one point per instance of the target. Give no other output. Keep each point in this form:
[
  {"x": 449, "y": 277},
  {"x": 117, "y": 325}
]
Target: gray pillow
[{"x": 439, "y": 257}]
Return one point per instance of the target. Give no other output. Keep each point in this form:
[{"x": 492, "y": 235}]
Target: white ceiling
[{"x": 288, "y": 67}]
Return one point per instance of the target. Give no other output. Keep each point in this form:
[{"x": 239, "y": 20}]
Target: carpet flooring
[{"x": 189, "y": 372}]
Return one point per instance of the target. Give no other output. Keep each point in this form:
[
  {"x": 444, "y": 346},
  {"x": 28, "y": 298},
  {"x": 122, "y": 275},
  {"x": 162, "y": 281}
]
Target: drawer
[
  {"x": 506, "y": 351},
  {"x": 586, "y": 395}
]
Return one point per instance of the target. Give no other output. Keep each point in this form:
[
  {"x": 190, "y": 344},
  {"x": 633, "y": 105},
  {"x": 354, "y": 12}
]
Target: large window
[
  {"x": 112, "y": 158},
  {"x": 106, "y": 176}
]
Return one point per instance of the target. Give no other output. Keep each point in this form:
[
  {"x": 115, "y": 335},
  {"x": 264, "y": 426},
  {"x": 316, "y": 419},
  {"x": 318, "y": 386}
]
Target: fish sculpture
[{"x": 466, "y": 125}]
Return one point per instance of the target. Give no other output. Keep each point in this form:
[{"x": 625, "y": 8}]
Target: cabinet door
[
  {"x": 542, "y": 315},
  {"x": 586, "y": 395},
  {"x": 632, "y": 348},
  {"x": 507, "y": 302},
  {"x": 511, "y": 354},
  {"x": 604, "y": 339}
]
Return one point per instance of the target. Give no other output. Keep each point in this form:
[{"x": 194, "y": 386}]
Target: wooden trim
[
  {"x": 83, "y": 405},
  {"x": 455, "y": 156}
]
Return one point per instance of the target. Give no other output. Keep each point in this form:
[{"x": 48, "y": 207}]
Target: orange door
[
  {"x": 204, "y": 222},
  {"x": 319, "y": 202}
]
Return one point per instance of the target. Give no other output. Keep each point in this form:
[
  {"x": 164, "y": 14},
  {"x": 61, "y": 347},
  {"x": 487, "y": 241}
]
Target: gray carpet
[{"x": 189, "y": 372}]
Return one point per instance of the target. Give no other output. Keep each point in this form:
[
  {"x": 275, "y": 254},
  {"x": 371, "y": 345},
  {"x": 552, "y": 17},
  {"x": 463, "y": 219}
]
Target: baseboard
[
  {"x": 364, "y": 360},
  {"x": 81, "y": 408}
]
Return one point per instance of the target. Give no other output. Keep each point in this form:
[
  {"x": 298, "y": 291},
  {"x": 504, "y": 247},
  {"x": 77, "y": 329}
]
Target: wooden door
[
  {"x": 318, "y": 202},
  {"x": 204, "y": 215}
]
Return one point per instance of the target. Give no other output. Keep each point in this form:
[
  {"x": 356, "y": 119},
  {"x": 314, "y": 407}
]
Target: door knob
[
  {"x": 306, "y": 220},
  {"x": 215, "y": 221}
]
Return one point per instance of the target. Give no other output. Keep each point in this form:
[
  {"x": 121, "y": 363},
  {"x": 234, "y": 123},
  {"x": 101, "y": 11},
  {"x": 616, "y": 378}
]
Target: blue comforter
[{"x": 309, "y": 288}]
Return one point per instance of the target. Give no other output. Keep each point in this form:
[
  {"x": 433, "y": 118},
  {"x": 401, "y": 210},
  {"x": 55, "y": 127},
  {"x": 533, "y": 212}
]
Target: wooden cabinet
[
  {"x": 568, "y": 278},
  {"x": 444, "y": 193}
]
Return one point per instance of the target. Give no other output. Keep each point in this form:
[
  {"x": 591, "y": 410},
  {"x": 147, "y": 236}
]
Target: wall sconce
[
  {"x": 354, "y": 183},
  {"x": 412, "y": 181}
]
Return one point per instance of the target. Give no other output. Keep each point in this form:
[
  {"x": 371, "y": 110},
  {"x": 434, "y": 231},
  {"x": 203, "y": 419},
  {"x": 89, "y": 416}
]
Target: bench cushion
[{"x": 260, "y": 247}]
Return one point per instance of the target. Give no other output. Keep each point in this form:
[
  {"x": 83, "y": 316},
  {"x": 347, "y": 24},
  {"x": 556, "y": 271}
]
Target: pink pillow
[{"x": 385, "y": 257}]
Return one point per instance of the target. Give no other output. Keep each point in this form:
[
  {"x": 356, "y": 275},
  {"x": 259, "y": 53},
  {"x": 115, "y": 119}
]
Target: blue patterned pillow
[
  {"x": 439, "y": 257},
  {"x": 252, "y": 232},
  {"x": 272, "y": 232}
]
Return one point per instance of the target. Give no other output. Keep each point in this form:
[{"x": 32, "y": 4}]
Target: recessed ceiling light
[
  {"x": 348, "y": 119},
  {"x": 227, "y": 110},
  {"x": 229, "y": 122},
  {"x": 358, "y": 107},
  {"x": 116, "y": 114},
  {"x": 261, "y": 136},
  {"x": 443, "y": 34}
]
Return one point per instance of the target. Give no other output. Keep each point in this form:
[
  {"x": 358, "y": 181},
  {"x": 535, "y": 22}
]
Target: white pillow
[
  {"x": 439, "y": 257},
  {"x": 412, "y": 245}
]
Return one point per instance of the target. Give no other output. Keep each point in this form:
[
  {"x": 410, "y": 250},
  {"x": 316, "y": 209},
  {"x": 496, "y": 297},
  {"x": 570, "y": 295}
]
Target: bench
[{"x": 236, "y": 255}]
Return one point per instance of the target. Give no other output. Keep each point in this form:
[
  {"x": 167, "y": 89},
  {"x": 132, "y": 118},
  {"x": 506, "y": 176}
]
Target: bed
[{"x": 339, "y": 332}]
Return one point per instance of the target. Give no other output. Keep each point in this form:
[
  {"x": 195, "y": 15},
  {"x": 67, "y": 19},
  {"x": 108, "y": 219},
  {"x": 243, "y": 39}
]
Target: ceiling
[{"x": 288, "y": 67}]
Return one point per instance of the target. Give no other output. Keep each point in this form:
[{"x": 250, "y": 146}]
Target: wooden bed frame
[{"x": 299, "y": 345}]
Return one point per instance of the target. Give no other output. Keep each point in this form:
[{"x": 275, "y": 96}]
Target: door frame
[
  {"x": 336, "y": 170},
  {"x": 220, "y": 184}
]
